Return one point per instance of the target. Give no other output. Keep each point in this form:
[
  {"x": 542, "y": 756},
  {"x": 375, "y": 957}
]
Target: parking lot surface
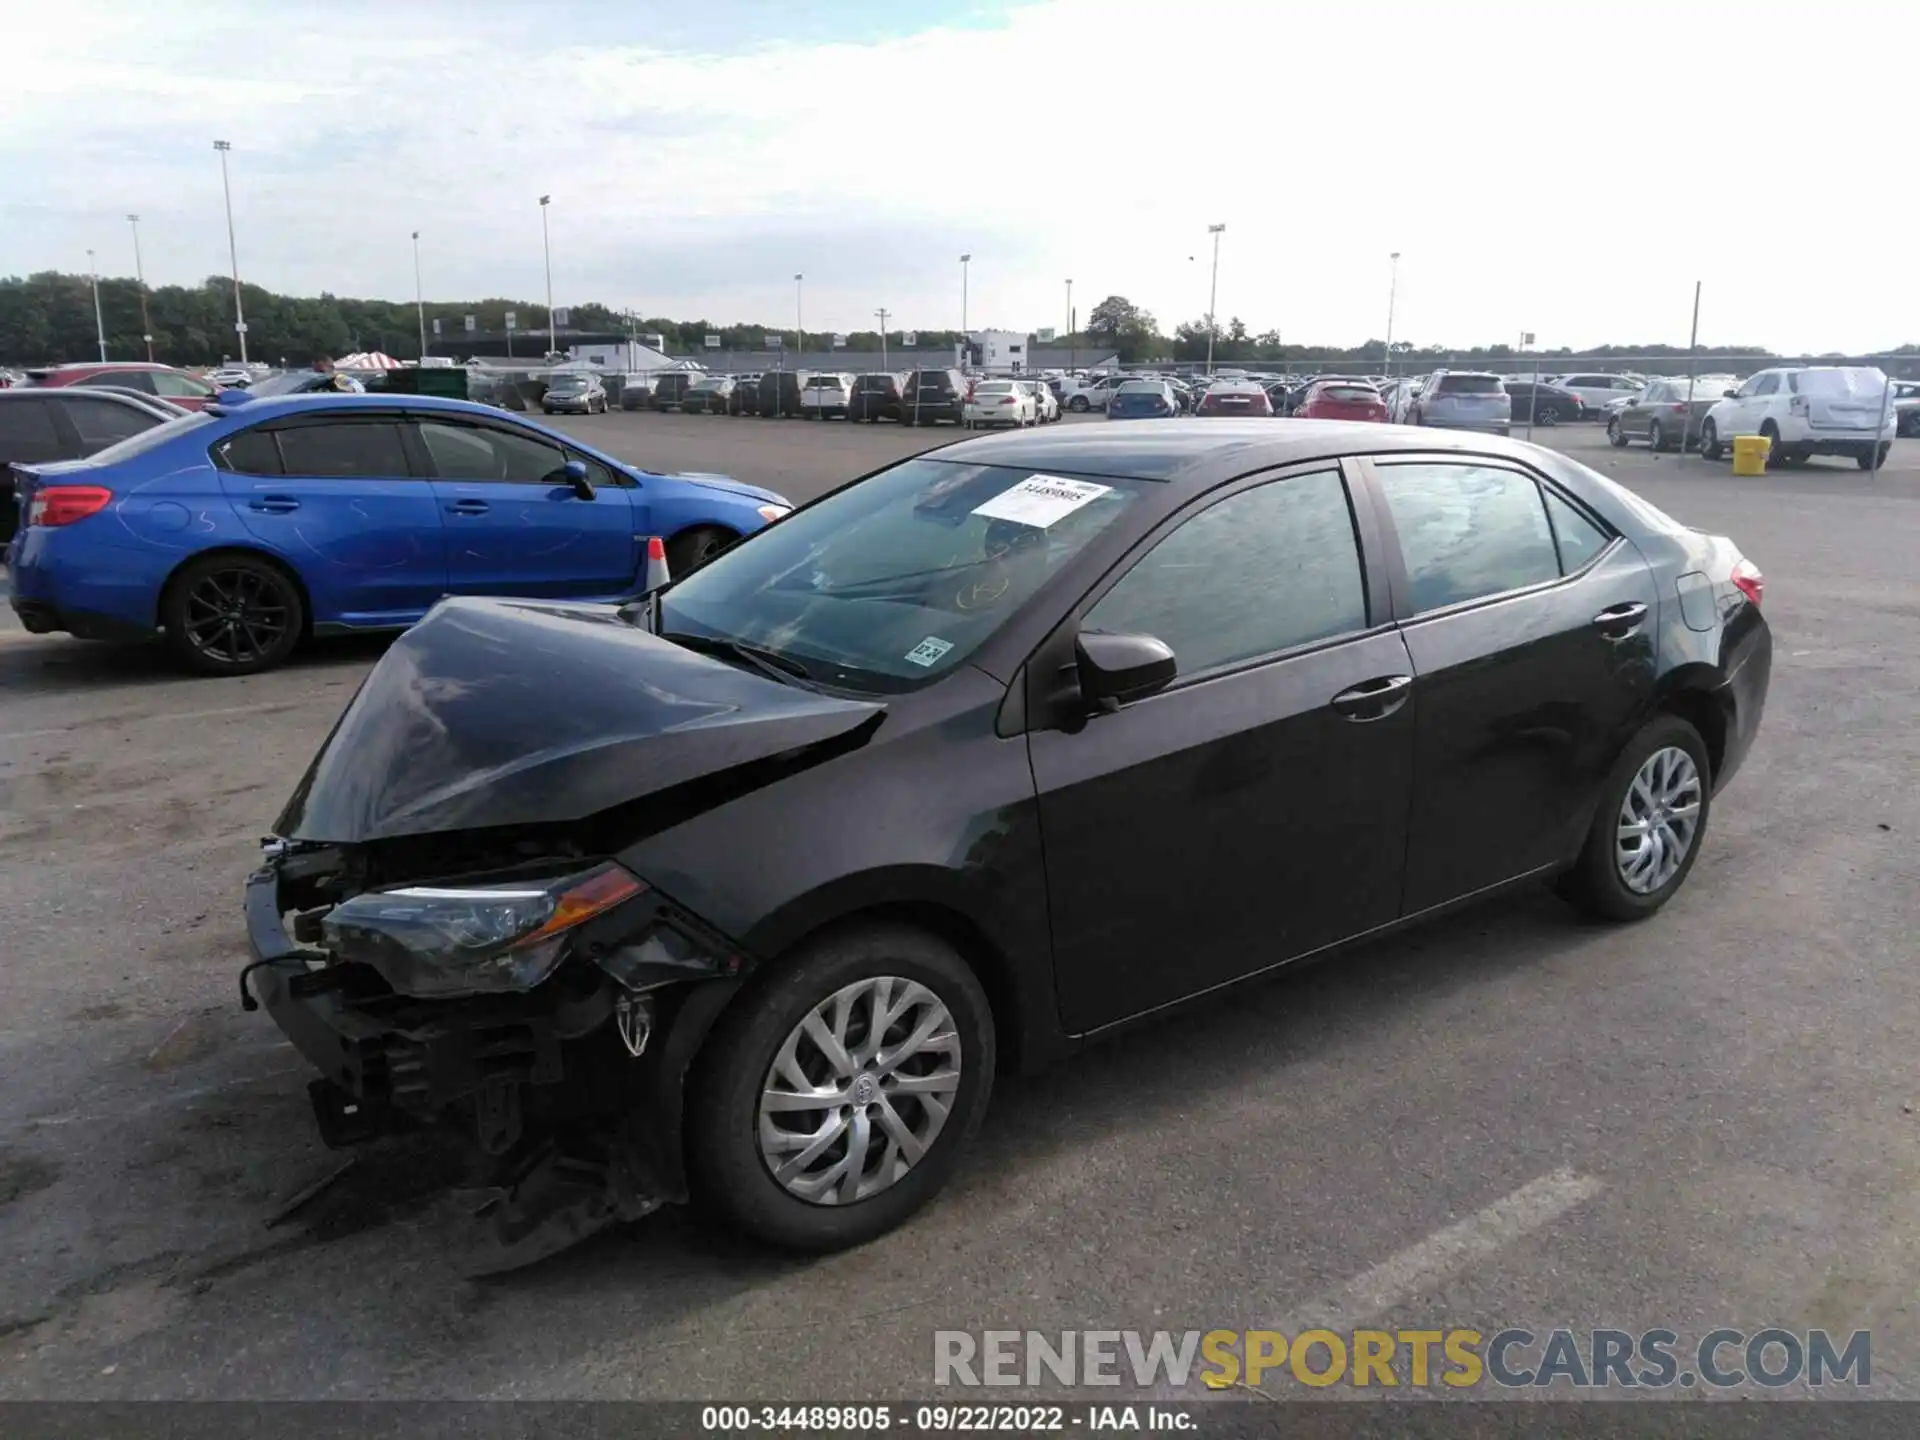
[{"x": 1719, "y": 1106}]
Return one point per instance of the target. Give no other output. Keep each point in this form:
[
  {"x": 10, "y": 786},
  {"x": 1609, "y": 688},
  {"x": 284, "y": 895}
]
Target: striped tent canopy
[{"x": 367, "y": 360}]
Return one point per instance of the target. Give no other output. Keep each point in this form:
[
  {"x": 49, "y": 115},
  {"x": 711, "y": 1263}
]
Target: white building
[
  {"x": 626, "y": 357},
  {"x": 999, "y": 351}
]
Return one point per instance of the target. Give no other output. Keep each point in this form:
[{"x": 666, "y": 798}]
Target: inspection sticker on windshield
[
  {"x": 929, "y": 650},
  {"x": 1041, "y": 501}
]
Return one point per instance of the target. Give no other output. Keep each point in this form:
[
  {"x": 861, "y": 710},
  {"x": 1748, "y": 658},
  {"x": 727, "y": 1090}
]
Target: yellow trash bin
[{"x": 1750, "y": 454}]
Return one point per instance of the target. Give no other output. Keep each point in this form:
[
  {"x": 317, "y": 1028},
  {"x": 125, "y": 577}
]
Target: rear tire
[
  {"x": 1596, "y": 882},
  {"x": 1656, "y": 439},
  {"x": 1616, "y": 436},
  {"x": 1078, "y": 404},
  {"x": 1709, "y": 441},
  {"x": 265, "y": 605},
  {"x": 730, "y": 1170},
  {"x": 1874, "y": 458}
]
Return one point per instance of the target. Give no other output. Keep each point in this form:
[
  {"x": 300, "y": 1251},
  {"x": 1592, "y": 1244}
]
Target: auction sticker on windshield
[
  {"x": 929, "y": 650},
  {"x": 1041, "y": 501}
]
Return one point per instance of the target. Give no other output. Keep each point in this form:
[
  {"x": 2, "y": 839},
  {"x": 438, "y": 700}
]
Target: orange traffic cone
[{"x": 657, "y": 573}]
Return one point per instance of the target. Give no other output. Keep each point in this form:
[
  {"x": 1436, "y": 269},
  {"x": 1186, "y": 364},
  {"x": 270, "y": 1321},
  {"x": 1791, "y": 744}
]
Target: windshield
[
  {"x": 1855, "y": 382},
  {"x": 896, "y": 580}
]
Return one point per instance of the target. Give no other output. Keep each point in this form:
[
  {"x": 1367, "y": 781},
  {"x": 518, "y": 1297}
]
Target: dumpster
[{"x": 1750, "y": 454}]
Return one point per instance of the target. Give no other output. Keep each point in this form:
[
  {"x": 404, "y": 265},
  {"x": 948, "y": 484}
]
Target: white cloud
[{"x": 1565, "y": 170}]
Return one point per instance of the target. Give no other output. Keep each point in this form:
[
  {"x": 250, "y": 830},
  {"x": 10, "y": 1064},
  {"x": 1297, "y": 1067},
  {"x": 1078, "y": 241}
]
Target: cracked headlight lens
[{"x": 433, "y": 941}]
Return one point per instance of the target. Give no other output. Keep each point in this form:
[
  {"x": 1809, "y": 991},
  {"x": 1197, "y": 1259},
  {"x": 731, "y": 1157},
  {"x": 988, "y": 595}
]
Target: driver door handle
[
  {"x": 468, "y": 507},
  {"x": 1374, "y": 699}
]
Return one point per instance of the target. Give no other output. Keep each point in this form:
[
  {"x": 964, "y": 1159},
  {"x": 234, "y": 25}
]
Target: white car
[
  {"x": 1000, "y": 402},
  {"x": 1808, "y": 410},
  {"x": 826, "y": 396},
  {"x": 1597, "y": 391},
  {"x": 1046, "y": 403},
  {"x": 1400, "y": 396},
  {"x": 1091, "y": 394}
]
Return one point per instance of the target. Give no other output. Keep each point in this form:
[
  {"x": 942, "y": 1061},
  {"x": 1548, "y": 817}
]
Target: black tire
[
  {"x": 692, "y": 548},
  {"x": 197, "y": 629},
  {"x": 1548, "y": 417},
  {"x": 1078, "y": 404},
  {"x": 1616, "y": 433},
  {"x": 1709, "y": 441},
  {"x": 1594, "y": 883},
  {"x": 1776, "y": 457},
  {"x": 728, "y": 1175},
  {"x": 1656, "y": 440},
  {"x": 1870, "y": 460}
]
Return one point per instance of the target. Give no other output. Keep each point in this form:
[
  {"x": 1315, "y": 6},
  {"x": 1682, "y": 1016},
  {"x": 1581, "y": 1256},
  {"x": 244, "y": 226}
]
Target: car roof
[
  {"x": 267, "y": 406},
  {"x": 1201, "y": 453}
]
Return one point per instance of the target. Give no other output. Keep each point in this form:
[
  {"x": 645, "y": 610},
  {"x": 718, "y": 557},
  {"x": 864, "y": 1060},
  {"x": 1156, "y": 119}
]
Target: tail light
[
  {"x": 1007, "y": 401},
  {"x": 1748, "y": 580},
  {"x": 64, "y": 504},
  {"x": 1679, "y": 407}
]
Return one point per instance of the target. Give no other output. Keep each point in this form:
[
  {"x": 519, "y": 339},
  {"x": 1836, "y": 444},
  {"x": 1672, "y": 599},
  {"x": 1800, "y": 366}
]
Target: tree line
[{"x": 49, "y": 317}]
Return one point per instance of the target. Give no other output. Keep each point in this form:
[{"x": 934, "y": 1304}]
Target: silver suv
[{"x": 1463, "y": 400}]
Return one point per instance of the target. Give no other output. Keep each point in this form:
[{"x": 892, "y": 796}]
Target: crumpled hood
[{"x": 525, "y": 712}]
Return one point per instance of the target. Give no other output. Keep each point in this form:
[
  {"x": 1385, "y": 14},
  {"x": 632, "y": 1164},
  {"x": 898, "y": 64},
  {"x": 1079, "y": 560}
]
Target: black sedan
[
  {"x": 1543, "y": 404},
  {"x": 747, "y": 891}
]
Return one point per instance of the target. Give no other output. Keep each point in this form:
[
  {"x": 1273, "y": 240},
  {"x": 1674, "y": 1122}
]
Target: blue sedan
[{"x": 238, "y": 531}]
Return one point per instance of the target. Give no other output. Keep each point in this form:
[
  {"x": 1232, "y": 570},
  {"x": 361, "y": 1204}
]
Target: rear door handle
[
  {"x": 1617, "y": 622},
  {"x": 274, "y": 504},
  {"x": 468, "y": 507},
  {"x": 1374, "y": 699}
]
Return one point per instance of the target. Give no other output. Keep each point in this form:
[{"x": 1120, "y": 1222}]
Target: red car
[
  {"x": 162, "y": 380},
  {"x": 1342, "y": 400},
  {"x": 1234, "y": 397}
]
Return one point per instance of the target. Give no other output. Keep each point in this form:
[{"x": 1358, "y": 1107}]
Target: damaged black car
[{"x": 742, "y": 892}]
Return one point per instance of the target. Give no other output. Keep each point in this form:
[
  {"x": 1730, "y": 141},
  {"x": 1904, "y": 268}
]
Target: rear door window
[
  {"x": 344, "y": 450},
  {"x": 251, "y": 452},
  {"x": 1467, "y": 531}
]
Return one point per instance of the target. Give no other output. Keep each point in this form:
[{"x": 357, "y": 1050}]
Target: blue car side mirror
[{"x": 575, "y": 474}]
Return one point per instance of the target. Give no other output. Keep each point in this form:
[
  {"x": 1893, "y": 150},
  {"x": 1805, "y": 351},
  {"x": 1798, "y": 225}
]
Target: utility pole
[
  {"x": 1070, "y": 340},
  {"x": 546, "y": 244},
  {"x": 799, "y": 325},
  {"x": 882, "y": 312},
  {"x": 140, "y": 276},
  {"x": 965, "y": 261},
  {"x": 99, "y": 325},
  {"x": 419, "y": 299},
  {"x": 233, "y": 251},
  {"x": 1393, "y": 286},
  {"x": 1213, "y": 291}
]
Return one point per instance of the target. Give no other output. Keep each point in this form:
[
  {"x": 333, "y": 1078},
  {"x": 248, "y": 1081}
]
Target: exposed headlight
[
  {"x": 771, "y": 513},
  {"x": 437, "y": 942}
]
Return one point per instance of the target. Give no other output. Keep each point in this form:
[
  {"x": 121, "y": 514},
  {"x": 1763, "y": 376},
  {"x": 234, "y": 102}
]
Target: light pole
[
  {"x": 882, "y": 313},
  {"x": 419, "y": 299},
  {"x": 140, "y": 277},
  {"x": 99, "y": 326},
  {"x": 1213, "y": 291},
  {"x": 233, "y": 252},
  {"x": 1393, "y": 287},
  {"x": 546, "y": 244},
  {"x": 799, "y": 326},
  {"x": 1072, "y": 344},
  {"x": 965, "y": 260}
]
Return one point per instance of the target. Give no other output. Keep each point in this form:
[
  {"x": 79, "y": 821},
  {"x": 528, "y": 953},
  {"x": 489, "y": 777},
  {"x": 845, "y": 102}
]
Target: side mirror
[
  {"x": 1731, "y": 394},
  {"x": 576, "y": 475},
  {"x": 1117, "y": 668}
]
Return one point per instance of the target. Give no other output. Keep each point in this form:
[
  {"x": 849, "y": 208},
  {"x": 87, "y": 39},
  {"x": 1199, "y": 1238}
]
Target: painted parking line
[{"x": 1412, "y": 1272}]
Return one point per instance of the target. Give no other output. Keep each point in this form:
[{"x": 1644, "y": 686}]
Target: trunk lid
[{"x": 510, "y": 712}]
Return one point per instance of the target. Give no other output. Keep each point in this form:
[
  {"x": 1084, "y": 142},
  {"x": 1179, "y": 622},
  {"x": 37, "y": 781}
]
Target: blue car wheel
[{"x": 233, "y": 614}]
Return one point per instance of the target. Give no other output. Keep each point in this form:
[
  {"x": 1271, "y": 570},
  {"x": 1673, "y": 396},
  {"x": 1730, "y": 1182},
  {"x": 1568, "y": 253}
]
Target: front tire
[
  {"x": 1616, "y": 436},
  {"x": 1649, "y": 825},
  {"x": 1078, "y": 404},
  {"x": 233, "y": 615},
  {"x": 691, "y": 549},
  {"x": 809, "y": 1131}
]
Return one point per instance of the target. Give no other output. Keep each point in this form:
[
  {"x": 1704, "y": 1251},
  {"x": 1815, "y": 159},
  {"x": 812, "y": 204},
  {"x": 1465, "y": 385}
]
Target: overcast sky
[{"x": 1565, "y": 169}]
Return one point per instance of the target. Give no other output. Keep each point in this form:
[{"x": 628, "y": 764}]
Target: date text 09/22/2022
[{"x": 941, "y": 1419}]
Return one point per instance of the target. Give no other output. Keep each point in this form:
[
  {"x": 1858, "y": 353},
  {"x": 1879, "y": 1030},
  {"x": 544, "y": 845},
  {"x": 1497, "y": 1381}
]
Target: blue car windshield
[{"x": 894, "y": 581}]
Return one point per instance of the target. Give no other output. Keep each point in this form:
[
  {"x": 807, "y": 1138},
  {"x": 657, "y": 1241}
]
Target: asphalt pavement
[{"x": 1708, "y": 1119}]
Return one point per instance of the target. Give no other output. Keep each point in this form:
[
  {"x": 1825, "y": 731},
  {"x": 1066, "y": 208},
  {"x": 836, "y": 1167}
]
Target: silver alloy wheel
[
  {"x": 1659, "y": 820},
  {"x": 876, "y": 1061}
]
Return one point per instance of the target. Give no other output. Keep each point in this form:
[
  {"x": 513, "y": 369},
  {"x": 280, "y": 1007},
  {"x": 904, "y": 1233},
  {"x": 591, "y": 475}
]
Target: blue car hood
[
  {"x": 727, "y": 485},
  {"x": 496, "y": 713}
]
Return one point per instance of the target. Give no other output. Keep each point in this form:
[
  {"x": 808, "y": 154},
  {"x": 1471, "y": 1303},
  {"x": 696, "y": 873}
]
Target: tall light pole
[
  {"x": 546, "y": 244},
  {"x": 1213, "y": 292},
  {"x": 233, "y": 252},
  {"x": 140, "y": 277},
  {"x": 799, "y": 322},
  {"x": 965, "y": 260},
  {"x": 1072, "y": 344},
  {"x": 882, "y": 313},
  {"x": 1393, "y": 288},
  {"x": 99, "y": 326},
  {"x": 419, "y": 298}
]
